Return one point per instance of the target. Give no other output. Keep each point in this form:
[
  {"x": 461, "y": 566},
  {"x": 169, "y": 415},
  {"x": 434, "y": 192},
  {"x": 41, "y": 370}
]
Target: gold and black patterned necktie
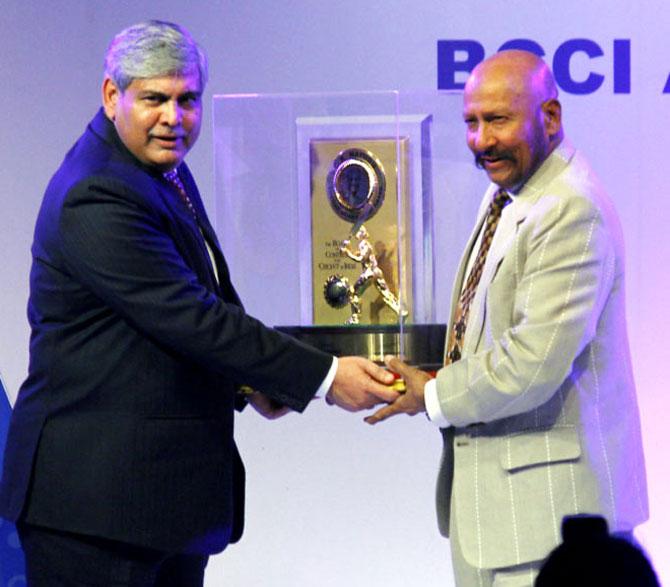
[{"x": 457, "y": 333}]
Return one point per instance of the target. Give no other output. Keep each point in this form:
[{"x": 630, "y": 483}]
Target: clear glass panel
[{"x": 324, "y": 208}]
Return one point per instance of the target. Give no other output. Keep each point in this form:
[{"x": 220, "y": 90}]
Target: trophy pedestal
[{"x": 422, "y": 344}]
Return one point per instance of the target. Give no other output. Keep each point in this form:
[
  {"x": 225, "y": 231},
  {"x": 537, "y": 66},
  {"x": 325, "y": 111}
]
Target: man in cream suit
[{"x": 536, "y": 402}]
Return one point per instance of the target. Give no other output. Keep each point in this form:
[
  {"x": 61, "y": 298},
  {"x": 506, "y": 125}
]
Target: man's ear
[
  {"x": 110, "y": 97},
  {"x": 552, "y": 117}
]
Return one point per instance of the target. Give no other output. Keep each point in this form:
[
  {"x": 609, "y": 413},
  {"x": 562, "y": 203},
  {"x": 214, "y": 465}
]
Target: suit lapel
[
  {"x": 465, "y": 257},
  {"x": 190, "y": 235},
  {"x": 512, "y": 217},
  {"x": 224, "y": 287}
]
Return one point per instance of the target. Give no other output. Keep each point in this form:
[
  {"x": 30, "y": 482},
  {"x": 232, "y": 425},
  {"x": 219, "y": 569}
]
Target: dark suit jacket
[{"x": 124, "y": 426}]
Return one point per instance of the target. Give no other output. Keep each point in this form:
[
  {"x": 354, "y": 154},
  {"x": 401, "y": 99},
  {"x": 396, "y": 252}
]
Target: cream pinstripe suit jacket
[{"x": 543, "y": 401}]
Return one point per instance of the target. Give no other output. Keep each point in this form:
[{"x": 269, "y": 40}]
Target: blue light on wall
[{"x": 11, "y": 557}]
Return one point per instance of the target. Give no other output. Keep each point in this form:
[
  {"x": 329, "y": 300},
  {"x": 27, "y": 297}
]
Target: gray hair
[{"x": 153, "y": 49}]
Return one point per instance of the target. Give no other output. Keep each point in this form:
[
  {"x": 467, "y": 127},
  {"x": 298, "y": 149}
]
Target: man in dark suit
[{"x": 120, "y": 465}]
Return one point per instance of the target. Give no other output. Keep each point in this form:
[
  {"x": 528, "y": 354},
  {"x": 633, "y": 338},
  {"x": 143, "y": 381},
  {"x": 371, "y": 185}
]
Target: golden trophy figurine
[{"x": 372, "y": 273}]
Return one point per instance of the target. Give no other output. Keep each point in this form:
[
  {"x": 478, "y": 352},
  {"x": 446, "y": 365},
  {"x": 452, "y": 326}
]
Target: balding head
[
  {"x": 521, "y": 72},
  {"x": 513, "y": 116}
]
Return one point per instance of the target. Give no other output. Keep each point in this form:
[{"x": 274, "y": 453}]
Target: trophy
[
  {"x": 338, "y": 292},
  {"x": 359, "y": 262},
  {"x": 361, "y": 253},
  {"x": 355, "y": 186},
  {"x": 341, "y": 230}
]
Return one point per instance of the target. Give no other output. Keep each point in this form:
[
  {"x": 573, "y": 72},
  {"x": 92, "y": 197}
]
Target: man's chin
[
  {"x": 499, "y": 179},
  {"x": 166, "y": 160},
  {"x": 502, "y": 178}
]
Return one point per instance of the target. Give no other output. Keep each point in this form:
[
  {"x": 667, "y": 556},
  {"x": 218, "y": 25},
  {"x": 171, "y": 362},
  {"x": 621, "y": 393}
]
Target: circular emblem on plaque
[
  {"x": 336, "y": 291},
  {"x": 356, "y": 184}
]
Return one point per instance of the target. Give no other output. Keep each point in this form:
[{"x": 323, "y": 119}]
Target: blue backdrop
[{"x": 11, "y": 557}]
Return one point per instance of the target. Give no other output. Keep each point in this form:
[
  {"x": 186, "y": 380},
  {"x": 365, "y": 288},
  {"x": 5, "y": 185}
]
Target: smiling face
[
  {"x": 512, "y": 118},
  {"x": 158, "y": 119}
]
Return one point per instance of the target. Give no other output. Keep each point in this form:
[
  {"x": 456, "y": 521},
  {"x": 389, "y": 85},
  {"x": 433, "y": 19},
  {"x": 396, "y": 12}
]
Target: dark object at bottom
[
  {"x": 336, "y": 291},
  {"x": 423, "y": 344}
]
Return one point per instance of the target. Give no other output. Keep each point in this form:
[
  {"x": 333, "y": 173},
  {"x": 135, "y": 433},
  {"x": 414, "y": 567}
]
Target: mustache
[{"x": 490, "y": 154}]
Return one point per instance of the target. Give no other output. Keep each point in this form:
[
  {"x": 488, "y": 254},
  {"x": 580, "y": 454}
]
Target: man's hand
[
  {"x": 266, "y": 406},
  {"x": 411, "y": 402},
  {"x": 359, "y": 384}
]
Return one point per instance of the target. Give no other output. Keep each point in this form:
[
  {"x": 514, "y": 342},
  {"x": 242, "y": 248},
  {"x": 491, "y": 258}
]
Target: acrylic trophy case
[{"x": 324, "y": 211}]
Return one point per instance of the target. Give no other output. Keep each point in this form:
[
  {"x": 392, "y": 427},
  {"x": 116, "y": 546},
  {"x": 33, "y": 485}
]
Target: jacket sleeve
[
  {"x": 121, "y": 248},
  {"x": 542, "y": 309}
]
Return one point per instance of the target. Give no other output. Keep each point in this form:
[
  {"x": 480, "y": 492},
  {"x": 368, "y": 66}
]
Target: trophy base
[{"x": 423, "y": 344}]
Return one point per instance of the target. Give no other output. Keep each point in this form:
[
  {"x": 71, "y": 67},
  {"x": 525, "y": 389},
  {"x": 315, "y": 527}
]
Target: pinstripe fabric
[
  {"x": 136, "y": 353},
  {"x": 467, "y": 575},
  {"x": 542, "y": 400}
]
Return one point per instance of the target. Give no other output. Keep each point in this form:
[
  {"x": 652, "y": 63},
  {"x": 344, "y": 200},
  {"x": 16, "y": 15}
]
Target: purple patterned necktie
[
  {"x": 457, "y": 333},
  {"x": 175, "y": 181}
]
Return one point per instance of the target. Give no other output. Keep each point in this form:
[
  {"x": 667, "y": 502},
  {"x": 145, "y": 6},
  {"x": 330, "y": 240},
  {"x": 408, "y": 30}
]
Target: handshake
[{"x": 360, "y": 384}]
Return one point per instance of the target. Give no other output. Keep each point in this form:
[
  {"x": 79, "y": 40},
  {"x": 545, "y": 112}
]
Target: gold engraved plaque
[{"x": 359, "y": 231}]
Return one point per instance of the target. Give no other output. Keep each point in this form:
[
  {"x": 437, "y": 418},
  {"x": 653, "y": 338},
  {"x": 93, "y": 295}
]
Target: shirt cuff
[
  {"x": 433, "y": 409},
  {"x": 328, "y": 380}
]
